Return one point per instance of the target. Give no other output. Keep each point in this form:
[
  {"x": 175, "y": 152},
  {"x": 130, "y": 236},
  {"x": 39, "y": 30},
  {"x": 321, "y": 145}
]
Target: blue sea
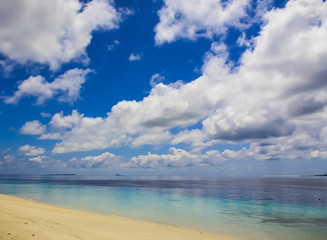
[{"x": 247, "y": 208}]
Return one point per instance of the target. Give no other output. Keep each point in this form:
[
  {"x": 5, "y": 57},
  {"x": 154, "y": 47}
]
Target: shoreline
[{"x": 22, "y": 219}]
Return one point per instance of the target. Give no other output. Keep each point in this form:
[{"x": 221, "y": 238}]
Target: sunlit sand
[{"x": 23, "y": 219}]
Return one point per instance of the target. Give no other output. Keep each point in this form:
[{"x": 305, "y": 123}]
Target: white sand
[{"x": 22, "y": 219}]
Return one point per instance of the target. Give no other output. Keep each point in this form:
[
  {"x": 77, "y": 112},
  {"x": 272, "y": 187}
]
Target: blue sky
[{"x": 172, "y": 87}]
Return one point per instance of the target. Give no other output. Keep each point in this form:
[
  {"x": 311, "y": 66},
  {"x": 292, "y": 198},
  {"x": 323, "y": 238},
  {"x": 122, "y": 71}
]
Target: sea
[{"x": 268, "y": 208}]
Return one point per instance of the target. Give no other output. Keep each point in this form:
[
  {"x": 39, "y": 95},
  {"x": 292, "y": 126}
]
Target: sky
[{"x": 163, "y": 87}]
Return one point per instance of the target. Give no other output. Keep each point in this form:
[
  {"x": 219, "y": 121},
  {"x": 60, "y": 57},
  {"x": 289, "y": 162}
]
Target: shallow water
[{"x": 248, "y": 208}]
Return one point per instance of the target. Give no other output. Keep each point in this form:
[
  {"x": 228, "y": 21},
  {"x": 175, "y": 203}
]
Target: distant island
[
  {"x": 320, "y": 175},
  {"x": 118, "y": 175},
  {"x": 62, "y": 174}
]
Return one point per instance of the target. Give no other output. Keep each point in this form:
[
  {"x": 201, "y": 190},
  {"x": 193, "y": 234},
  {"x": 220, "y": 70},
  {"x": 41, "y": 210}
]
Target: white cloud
[
  {"x": 319, "y": 154},
  {"x": 167, "y": 106},
  {"x": 38, "y": 159},
  {"x": 196, "y": 138},
  {"x": 33, "y": 86},
  {"x": 105, "y": 160},
  {"x": 243, "y": 42},
  {"x": 90, "y": 133},
  {"x": 112, "y": 46},
  {"x": 33, "y": 128},
  {"x": 198, "y": 18},
  {"x": 6, "y": 66},
  {"x": 7, "y": 160},
  {"x": 51, "y": 136},
  {"x": 67, "y": 86},
  {"x": 177, "y": 157},
  {"x": 52, "y": 32},
  {"x": 151, "y": 139},
  {"x": 181, "y": 158},
  {"x": 275, "y": 100},
  {"x": 156, "y": 79},
  {"x": 31, "y": 150},
  {"x": 46, "y": 115},
  {"x": 134, "y": 57},
  {"x": 283, "y": 76},
  {"x": 60, "y": 121}
]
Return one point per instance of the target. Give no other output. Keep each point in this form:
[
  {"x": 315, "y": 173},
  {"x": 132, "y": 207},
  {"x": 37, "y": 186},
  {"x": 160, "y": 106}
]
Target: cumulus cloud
[
  {"x": 31, "y": 150},
  {"x": 283, "y": 76},
  {"x": 67, "y": 87},
  {"x": 38, "y": 159},
  {"x": 105, "y": 160},
  {"x": 167, "y": 106},
  {"x": 156, "y": 79},
  {"x": 45, "y": 115},
  {"x": 274, "y": 100},
  {"x": 91, "y": 133},
  {"x": 181, "y": 158},
  {"x": 178, "y": 157},
  {"x": 112, "y": 46},
  {"x": 7, "y": 160},
  {"x": 318, "y": 154},
  {"x": 60, "y": 123},
  {"x": 195, "y": 138},
  {"x": 134, "y": 57},
  {"x": 155, "y": 138},
  {"x": 198, "y": 18},
  {"x": 52, "y": 32},
  {"x": 33, "y": 128},
  {"x": 244, "y": 42},
  {"x": 56, "y": 127},
  {"x": 6, "y": 66}
]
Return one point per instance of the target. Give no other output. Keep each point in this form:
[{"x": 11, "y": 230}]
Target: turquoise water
[{"x": 262, "y": 208}]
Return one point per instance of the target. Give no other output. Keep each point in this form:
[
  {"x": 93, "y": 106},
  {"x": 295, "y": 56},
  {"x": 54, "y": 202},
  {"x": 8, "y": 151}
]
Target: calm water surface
[{"x": 248, "y": 208}]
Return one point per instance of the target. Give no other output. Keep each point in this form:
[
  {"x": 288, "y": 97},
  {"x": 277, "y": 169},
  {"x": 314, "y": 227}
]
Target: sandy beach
[{"x": 23, "y": 219}]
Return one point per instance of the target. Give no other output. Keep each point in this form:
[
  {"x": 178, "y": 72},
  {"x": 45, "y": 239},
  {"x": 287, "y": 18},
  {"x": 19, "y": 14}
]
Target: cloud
[
  {"x": 45, "y": 115},
  {"x": 243, "y": 42},
  {"x": 155, "y": 138},
  {"x": 198, "y": 18},
  {"x": 52, "y": 32},
  {"x": 91, "y": 133},
  {"x": 33, "y": 128},
  {"x": 274, "y": 100},
  {"x": 223, "y": 126},
  {"x": 156, "y": 79},
  {"x": 105, "y": 160},
  {"x": 60, "y": 123},
  {"x": 180, "y": 158},
  {"x": 281, "y": 74},
  {"x": 134, "y": 57},
  {"x": 67, "y": 86},
  {"x": 112, "y": 46},
  {"x": 7, "y": 160},
  {"x": 31, "y": 150},
  {"x": 38, "y": 159},
  {"x": 318, "y": 154},
  {"x": 167, "y": 106},
  {"x": 196, "y": 138},
  {"x": 6, "y": 66}
]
